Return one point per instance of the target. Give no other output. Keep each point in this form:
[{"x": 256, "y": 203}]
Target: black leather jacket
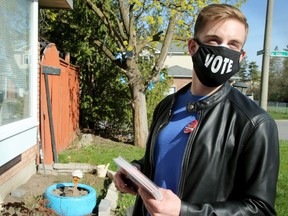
[{"x": 231, "y": 161}]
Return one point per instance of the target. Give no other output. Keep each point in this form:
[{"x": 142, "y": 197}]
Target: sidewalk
[{"x": 282, "y": 129}]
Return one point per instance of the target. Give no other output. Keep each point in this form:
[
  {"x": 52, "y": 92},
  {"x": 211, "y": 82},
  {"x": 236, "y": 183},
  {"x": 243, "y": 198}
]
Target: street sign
[
  {"x": 279, "y": 54},
  {"x": 260, "y": 52}
]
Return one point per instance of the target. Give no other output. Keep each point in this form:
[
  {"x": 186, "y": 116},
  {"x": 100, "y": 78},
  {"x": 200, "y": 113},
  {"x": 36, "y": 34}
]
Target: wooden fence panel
[{"x": 64, "y": 99}]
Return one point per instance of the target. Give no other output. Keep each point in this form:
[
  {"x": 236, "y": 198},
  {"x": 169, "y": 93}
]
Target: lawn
[
  {"x": 105, "y": 150},
  {"x": 282, "y": 186},
  {"x": 277, "y": 115}
]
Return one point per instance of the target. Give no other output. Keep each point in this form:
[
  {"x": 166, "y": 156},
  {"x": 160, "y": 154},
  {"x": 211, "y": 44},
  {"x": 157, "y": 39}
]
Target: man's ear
[
  {"x": 192, "y": 46},
  {"x": 243, "y": 54}
]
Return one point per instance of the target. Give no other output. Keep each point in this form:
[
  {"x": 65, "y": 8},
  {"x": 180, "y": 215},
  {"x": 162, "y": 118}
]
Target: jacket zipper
[
  {"x": 151, "y": 158},
  {"x": 186, "y": 155}
]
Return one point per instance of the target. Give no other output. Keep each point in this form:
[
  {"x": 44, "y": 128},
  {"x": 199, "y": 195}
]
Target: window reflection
[{"x": 15, "y": 60}]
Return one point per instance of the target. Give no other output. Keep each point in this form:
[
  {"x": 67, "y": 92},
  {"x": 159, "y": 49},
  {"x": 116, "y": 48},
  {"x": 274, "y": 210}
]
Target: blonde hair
[{"x": 219, "y": 12}]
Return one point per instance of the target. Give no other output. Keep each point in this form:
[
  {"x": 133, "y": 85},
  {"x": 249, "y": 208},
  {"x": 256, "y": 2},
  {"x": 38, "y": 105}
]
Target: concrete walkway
[
  {"x": 108, "y": 205},
  {"x": 282, "y": 129}
]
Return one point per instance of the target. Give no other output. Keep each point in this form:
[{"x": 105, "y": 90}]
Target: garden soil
[{"x": 35, "y": 186}]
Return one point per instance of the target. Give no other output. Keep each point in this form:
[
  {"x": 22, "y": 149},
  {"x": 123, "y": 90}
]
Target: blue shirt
[{"x": 171, "y": 143}]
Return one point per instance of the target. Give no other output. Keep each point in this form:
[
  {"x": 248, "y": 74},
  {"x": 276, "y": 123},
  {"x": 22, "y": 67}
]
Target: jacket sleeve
[{"x": 254, "y": 189}]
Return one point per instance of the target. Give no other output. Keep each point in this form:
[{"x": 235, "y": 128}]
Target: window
[
  {"x": 15, "y": 60},
  {"x": 18, "y": 77}
]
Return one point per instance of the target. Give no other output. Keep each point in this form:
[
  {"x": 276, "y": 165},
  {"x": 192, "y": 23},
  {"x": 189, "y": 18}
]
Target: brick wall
[
  {"x": 180, "y": 82},
  {"x": 18, "y": 173},
  {"x": 26, "y": 158}
]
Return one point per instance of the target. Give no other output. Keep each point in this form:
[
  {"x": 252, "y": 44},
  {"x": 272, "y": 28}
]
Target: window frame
[{"x": 19, "y": 136}]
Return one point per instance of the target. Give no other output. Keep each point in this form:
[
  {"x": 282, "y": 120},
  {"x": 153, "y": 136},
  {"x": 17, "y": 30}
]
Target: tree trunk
[{"x": 140, "y": 122}]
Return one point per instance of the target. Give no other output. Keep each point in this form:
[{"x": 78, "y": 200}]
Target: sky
[{"x": 255, "y": 11}]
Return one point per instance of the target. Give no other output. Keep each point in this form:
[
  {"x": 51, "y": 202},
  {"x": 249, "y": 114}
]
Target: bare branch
[
  {"x": 166, "y": 42},
  {"x": 110, "y": 55},
  {"x": 105, "y": 49},
  {"x": 124, "y": 11}
]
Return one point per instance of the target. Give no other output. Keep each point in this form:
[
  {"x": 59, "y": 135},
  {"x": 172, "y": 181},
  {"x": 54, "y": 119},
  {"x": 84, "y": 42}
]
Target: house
[
  {"x": 179, "y": 64},
  {"x": 20, "y": 95}
]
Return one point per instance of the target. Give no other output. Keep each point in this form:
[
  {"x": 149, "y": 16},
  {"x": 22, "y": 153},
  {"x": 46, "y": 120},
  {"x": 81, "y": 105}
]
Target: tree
[
  {"x": 254, "y": 79},
  {"x": 135, "y": 25},
  {"x": 244, "y": 72},
  {"x": 285, "y": 78},
  {"x": 156, "y": 92},
  {"x": 104, "y": 99},
  {"x": 278, "y": 78},
  {"x": 121, "y": 31},
  {"x": 277, "y": 83}
]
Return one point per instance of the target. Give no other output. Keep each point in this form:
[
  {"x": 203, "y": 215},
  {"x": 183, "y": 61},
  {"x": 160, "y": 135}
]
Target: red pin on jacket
[{"x": 191, "y": 126}]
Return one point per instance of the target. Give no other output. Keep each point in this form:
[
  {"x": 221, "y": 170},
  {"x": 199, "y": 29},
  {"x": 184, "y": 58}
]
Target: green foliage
[
  {"x": 125, "y": 201},
  {"x": 278, "y": 79},
  {"x": 244, "y": 73},
  {"x": 104, "y": 100},
  {"x": 275, "y": 79},
  {"x": 156, "y": 94},
  {"x": 254, "y": 86}
]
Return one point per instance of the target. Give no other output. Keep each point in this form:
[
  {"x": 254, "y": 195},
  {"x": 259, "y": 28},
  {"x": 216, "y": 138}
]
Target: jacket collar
[{"x": 210, "y": 100}]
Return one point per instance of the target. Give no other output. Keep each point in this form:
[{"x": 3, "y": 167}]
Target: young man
[{"x": 211, "y": 150}]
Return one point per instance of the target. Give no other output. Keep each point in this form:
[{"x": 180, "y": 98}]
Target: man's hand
[
  {"x": 123, "y": 184},
  {"x": 169, "y": 206}
]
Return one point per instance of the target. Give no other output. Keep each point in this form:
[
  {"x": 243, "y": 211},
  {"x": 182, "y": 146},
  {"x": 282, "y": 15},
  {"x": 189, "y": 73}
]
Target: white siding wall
[{"x": 184, "y": 61}]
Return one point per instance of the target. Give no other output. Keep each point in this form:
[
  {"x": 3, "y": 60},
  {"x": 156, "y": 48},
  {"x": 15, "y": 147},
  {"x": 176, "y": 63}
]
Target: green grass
[
  {"x": 282, "y": 186},
  {"x": 103, "y": 152},
  {"x": 277, "y": 115}
]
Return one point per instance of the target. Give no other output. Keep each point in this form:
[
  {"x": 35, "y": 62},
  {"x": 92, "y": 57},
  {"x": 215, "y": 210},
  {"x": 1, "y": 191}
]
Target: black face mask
[{"x": 214, "y": 65}]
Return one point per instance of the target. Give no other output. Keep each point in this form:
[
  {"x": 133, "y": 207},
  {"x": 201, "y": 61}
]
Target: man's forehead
[{"x": 229, "y": 29}]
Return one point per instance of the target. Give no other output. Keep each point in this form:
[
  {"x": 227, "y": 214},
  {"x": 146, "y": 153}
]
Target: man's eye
[
  {"x": 213, "y": 42},
  {"x": 235, "y": 45}
]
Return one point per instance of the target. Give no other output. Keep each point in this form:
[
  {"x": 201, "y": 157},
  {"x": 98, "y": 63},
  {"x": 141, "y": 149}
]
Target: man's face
[{"x": 229, "y": 33}]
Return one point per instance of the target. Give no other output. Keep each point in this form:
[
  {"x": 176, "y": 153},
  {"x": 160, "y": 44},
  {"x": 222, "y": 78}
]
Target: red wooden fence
[{"x": 64, "y": 99}]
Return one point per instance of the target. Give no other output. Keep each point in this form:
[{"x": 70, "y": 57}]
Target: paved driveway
[{"x": 282, "y": 129}]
